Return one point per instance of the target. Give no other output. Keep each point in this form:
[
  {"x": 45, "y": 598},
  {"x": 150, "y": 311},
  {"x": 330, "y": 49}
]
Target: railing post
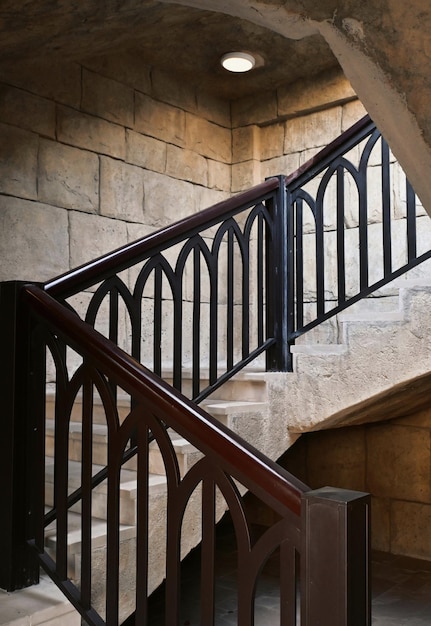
[
  {"x": 18, "y": 567},
  {"x": 335, "y": 582},
  {"x": 279, "y": 357}
]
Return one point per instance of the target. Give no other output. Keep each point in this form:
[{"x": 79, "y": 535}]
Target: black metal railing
[
  {"x": 352, "y": 227},
  {"x": 196, "y": 297},
  {"x": 212, "y": 293},
  {"x": 110, "y": 585},
  {"x": 203, "y": 298}
]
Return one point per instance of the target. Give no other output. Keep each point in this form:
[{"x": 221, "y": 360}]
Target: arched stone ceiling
[
  {"x": 384, "y": 48},
  {"x": 187, "y": 41}
]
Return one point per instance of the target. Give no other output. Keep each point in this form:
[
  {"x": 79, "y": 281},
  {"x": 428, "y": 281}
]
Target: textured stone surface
[
  {"x": 208, "y": 139},
  {"x": 27, "y": 111},
  {"x": 167, "y": 199},
  {"x": 33, "y": 240},
  {"x": 219, "y": 177},
  {"x": 122, "y": 193},
  {"x": 68, "y": 177},
  {"x": 40, "y": 605},
  {"x": 91, "y": 236},
  {"x": 317, "y": 93},
  {"x": 245, "y": 175},
  {"x": 410, "y": 529},
  {"x": 393, "y": 471},
  {"x": 160, "y": 120},
  {"x": 18, "y": 162},
  {"x": 107, "y": 98},
  {"x": 341, "y": 463},
  {"x": 313, "y": 131},
  {"x": 59, "y": 80},
  {"x": 391, "y": 460},
  {"x": 186, "y": 165},
  {"x": 146, "y": 151},
  {"x": 91, "y": 133}
]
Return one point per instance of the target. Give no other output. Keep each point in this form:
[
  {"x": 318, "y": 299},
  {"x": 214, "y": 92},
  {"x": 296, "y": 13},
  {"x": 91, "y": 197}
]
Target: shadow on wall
[{"x": 391, "y": 460}]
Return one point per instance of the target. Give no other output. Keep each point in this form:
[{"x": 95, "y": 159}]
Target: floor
[{"x": 401, "y": 592}]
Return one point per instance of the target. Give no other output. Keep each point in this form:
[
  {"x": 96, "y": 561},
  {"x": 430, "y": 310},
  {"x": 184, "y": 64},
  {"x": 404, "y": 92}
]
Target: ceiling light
[{"x": 238, "y": 62}]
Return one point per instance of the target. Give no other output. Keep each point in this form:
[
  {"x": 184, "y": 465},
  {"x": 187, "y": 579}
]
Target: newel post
[
  {"x": 18, "y": 567},
  {"x": 335, "y": 575},
  {"x": 279, "y": 357}
]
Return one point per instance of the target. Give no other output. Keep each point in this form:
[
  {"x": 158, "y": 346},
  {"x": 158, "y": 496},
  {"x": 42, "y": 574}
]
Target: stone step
[
  {"x": 372, "y": 317},
  {"x": 127, "y": 490},
  {"x": 100, "y": 442},
  {"x": 387, "y": 305},
  {"x": 40, "y": 605},
  {"x": 127, "y": 551},
  {"x": 238, "y": 414},
  {"x": 99, "y": 417},
  {"x": 381, "y": 350},
  {"x": 320, "y": 349},
  {"x": 187, "y": 455},
  {"x": 247, "y": 385},
  {"x": 74, "y": 539}
]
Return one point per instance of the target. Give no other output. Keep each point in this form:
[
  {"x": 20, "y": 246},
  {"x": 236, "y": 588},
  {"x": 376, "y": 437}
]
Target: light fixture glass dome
[{"x": 238, "y": 62}]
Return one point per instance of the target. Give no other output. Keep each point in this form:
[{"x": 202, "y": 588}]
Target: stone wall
[
  {"x": 96, "y": 154},
  {"x": 276, "y": 133},
  {"x": 392, "y": 461},
  {"x": 99, "y": 153}
]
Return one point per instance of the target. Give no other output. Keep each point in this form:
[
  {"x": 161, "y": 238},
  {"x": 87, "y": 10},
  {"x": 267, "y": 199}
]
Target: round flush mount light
[{"x": 238, "y": 61}]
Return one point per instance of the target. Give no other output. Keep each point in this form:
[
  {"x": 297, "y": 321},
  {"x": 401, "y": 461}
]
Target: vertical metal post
[
  {"x": 279, "y": 357},
  {"x": 335, "y": 581},
  {"x": 18, "y": 567}
]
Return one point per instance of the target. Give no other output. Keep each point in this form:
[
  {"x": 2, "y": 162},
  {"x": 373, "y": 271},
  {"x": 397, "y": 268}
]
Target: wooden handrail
[
  {"x": 274, "y": 485},
  {"x": 338, "y": 145},
  {"x": 86, "y": 275}
]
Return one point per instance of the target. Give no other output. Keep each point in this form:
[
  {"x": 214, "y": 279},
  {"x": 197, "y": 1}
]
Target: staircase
[
  {"x": 383, "y": 344},
  {"x": 391, "y": 328},
  {"x": 241, "y": 405},
  {"x": 120, "y": 404}
]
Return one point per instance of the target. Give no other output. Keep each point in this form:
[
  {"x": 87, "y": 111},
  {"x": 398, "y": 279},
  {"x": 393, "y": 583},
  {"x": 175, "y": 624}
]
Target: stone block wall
[
  {"x": 278, "y": 136},
  {"x": 389, "y": 459},
  {"x": 99, "y": 153}
]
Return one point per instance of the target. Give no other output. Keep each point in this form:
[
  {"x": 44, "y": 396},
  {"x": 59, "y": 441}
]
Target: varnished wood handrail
[
  {"x": 95, "y": 271},
  {"x": 337, "y": 146},
  {"x": 274, "y": 485}
]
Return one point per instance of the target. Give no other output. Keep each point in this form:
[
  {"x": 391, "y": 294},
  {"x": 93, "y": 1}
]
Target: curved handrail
[
  {"x": 338, "y": 146},
  {"x": 86, "y": 275},
  {"x": 274, "y": 485}
]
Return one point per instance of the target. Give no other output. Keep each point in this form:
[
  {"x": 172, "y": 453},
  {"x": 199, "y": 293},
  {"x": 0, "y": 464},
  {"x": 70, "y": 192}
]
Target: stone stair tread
[
  {"x": 247, "y": 373},
  {"x": 128, "y": 477},
  {"x": 376, "y": 317},
  {"x": 412, "y": 283},
  {"x": 100, "y": 431},
  {"x": 181, "y": 445},
  {"x": 319, "y": 349},
  {"x": 222, "y": 407},
  {"x": 98, "y": 533}
]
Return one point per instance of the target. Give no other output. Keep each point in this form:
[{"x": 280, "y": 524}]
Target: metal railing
[
  {"x": 226, "y": 469},
  {"x": 198, "y": 296},
  {"x": 238, "y": 278},
  {"x": 208, "y": 295},
  {"x": 352, "y": 227}
]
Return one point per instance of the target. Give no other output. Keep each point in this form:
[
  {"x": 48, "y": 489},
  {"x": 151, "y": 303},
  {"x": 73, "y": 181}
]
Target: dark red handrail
[
  {"x": 275, "y": 486},
  {"x": 93, "y": 272},
  {"x": 319, "y": 159}
]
